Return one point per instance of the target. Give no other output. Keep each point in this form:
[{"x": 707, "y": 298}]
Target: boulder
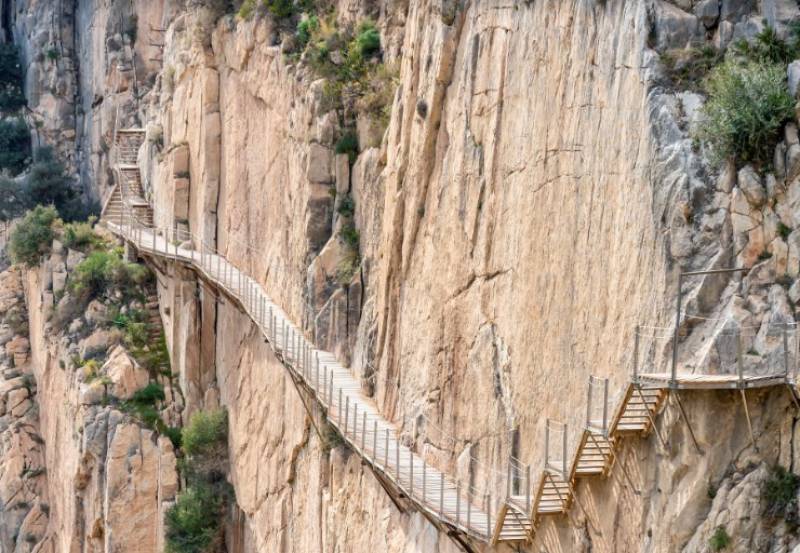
[
  {"x": 750, "y": 184},
  {"x": 59, "y": 282},
  {"x": 320, "y": 164},
  {"x": 793, "y": 76},
  {"x": 74, "y": 257},
  {"x": 125, "y": 374},
  {"x": 96, "y": 312},
  {"x": 708, "y": 12},
  {"x": 95, "y": 344}
]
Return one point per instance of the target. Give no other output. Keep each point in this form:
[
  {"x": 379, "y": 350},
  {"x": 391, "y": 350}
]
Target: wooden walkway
[
  {"x": 489, "y": 516},
  {"x": 334, "y": 387}
]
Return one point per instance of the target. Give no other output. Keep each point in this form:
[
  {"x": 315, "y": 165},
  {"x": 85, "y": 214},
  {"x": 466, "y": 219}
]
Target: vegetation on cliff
[
  {"x": 748, "y": 95},
  {"x": 194, "y": 523}
]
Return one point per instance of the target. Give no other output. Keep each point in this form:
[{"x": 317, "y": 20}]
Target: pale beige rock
[{"x": 125, "y": 374}]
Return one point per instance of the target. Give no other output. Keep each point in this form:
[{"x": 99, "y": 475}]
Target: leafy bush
[
  {"x": 348, "y": 144},
  {"x": 11, "y": 96},
  {"x": 347, "y": 207},
  {"x": 280, "y": 8},
  {"x": 104, "y": 269},
  {"x": 81, "y": 236},
  {"x": 33, "y": 236},
  {"x": 349, "y": 235},
  {"x": 767, "y": 47},
  {"x": 205, "y": 433},
  {"x": 779, "y": 493},
  {"x": 13, "y": 200},
  {"x": 149, "y": 395},
  {"x": 305, "y": 29},
  {"x": 719, "y": 539},
  {"x": 367, "y": 42},
  {"x": 15, "y": 145},
  {"x": 193, "y": 523},
  {"x": 48, "y": 183},
  {"x": 687, "y": 68},
  {"x": 747, "y": 106}
]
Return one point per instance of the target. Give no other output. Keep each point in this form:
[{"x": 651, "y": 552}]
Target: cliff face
[{"x": 533, "y": 199}]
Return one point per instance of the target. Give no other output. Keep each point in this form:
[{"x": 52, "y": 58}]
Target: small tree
[
  {"x": 13, "y": 199},
  {"x": 33, "y": 236},
  {"x": 747, "y": 106},
  {"x": 15, "y": 145},
  {"x": 11, "y": 96}
]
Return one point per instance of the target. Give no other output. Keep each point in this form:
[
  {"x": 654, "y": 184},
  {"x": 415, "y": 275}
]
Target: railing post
[
  {"x": 339, "y": 407},
  {"x": 441, "y": 495},
  {"x": 605, "y": 405},
  {"x": 375, "y": 441},
  {"x": 411, "y": 474},
  {"x": 364, "y": 432},
  {"x": 397, "y": 459},
  {"x": 674, "y": 382},
  {"x": 488, "y": 500},
  {"x": 528, "y": 489},
  {"x": 786, "y": 350},
  {"x": 386, "y": 451},
  {"x": 346, "y": 414},
  {"x": 316, "y": 362},
  {"x": 458, "y": 501},
  {"x": 547, "y": 443},
  {"x": 469, "y": 508},
  {"x": 589, "y": 404},
  {"x": 330, "y": 392},
  {"x": 636, "y": 354},
  {"x": 739, "y": 357},
  {"x": 424, "y": 482},
  {"x": 508, "y": 478},
  {"x": 355, "y": 423}
]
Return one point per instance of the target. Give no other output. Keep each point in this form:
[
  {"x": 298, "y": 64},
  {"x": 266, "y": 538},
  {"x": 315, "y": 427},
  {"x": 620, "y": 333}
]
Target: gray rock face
[
  {"x": 708, "y": 12},
  {"x": 675, "y": 28},
  {"x": 732, "y": 10},
  {"x": 751, "y": 186},
  {"x": 793, "y": 75}
]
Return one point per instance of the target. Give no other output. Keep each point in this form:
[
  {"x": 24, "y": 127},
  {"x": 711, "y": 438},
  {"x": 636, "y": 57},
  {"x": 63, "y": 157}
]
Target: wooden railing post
[
  {"x": 589, "y": 404},
  {"x": 739, "y": 357},
  {"x": 786, "y": 350},
  {"x": 458, "y": 501},
  {"x": 605, "y": 405}
]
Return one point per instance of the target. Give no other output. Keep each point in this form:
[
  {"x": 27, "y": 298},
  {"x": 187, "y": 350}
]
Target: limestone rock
[
  {"x": 793, "y": 74},
  {"x": 74, "y": 257},
  {"x": 95, "y": 344},
  {"x": 125, "y": 374},
  {"x": 750, "y": 184}
]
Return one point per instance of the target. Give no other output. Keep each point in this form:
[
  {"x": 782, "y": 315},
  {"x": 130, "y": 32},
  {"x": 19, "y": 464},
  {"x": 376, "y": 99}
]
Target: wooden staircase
[
  {"x": 637, "y": 410},
  {"x": 128, "y": 194},
  {"x": 594, "y": 456}
]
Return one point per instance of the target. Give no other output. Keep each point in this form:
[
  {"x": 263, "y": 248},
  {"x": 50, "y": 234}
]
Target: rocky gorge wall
[{"x": 533, "y": 198}]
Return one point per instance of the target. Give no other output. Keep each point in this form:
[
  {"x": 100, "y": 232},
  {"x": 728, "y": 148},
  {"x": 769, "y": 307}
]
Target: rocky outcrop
[{"x": 97, "y": 478}]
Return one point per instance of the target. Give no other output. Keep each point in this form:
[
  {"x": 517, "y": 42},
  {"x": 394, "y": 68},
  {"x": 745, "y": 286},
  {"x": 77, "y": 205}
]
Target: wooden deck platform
[{"x": 686, "y": 381}]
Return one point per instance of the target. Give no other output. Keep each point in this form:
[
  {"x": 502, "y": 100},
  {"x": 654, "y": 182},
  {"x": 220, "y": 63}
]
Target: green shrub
[
  {"x": 779, "y": 493},
  {"x": 149, "y": 395},
  {"x": 81, "y": 236},
  {"x": 11, "y": 96},
  {"x": 350, "y": 236},
  {"x": 767, "y": 47},
  {"x": 687, "y": 68},
  {"x": 48, "y": 183},
  {"x": 193, "y": 524},
  {"x": 347, "y": 207},
  {"x": 13, "y": 200},
  {"x": 747, "y": 106},
  {"x": 348, "y": 144},
  {"x": 367, "y": 42},
  {"x": 15, "y": 145},
  {"x": 33, "y": 236},
  {"x": 104, "y": 269},
  {"x": 174, "y": 435},
  {"x": 206, "y": 431},
  {"x": 720, "y": 539},
  {"x": 280, "y": 8},
  {"x": 305, "y": 29}
]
